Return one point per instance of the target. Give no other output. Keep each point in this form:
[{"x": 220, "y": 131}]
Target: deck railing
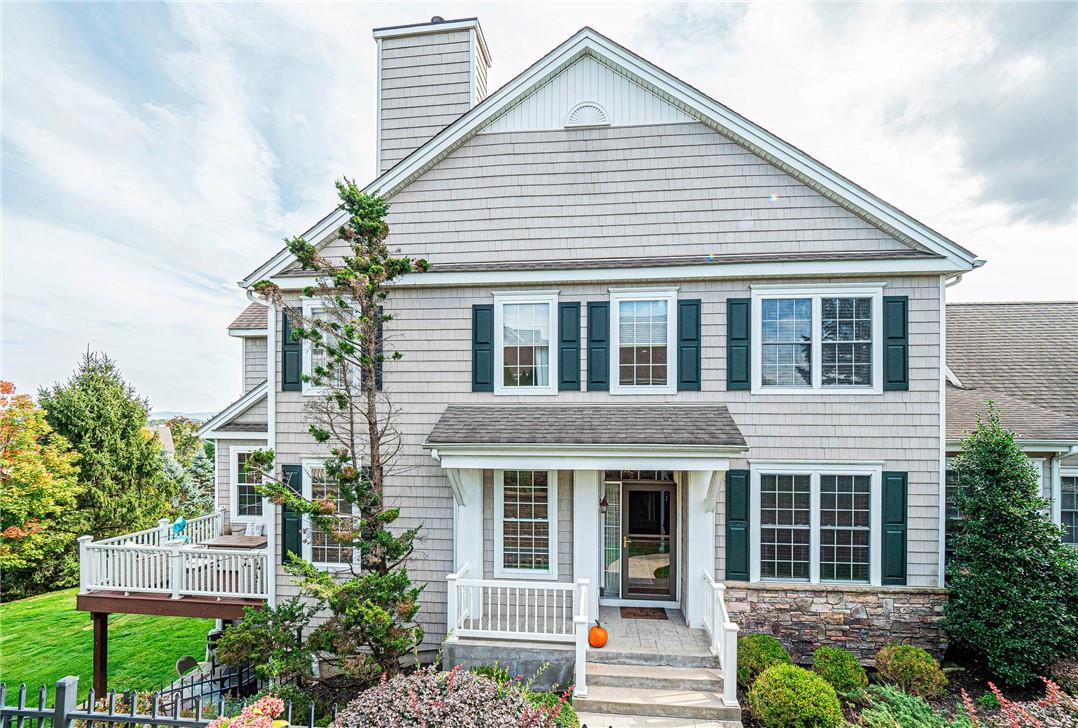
[
  {"x": 723, "y": 633},
  {"x": 149, "y": 562}
]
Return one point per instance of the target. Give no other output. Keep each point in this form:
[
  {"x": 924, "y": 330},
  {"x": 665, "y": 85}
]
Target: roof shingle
[{"x": 252, "y": 317}]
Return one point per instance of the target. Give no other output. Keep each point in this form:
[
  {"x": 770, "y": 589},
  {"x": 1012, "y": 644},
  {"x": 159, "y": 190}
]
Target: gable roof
[
  {"x": 252, "y": 317},
  {"x": 690, "y": 100},
  {"x": 220, "y": 422},
  {"x": 1023, "y": 357}
]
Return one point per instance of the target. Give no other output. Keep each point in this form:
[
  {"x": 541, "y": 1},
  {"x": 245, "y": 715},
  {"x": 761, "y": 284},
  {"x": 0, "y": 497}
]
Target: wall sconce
[{"x": 603, "y": 505}]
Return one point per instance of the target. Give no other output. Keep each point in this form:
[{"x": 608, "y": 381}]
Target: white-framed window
[
  {"x": 816, "y": 339},
  {"x": 643, "y": 348},
  {"x": 245, "y": 503},
  {"x": 526, "y": 523},
  {"x": 314, "y": 354},
  {"x": 525, "y": 335},
  {"x": 816, "y": 522},
  {"x": 320, "y": 547},
  {"x": 1068, "y": 505}
]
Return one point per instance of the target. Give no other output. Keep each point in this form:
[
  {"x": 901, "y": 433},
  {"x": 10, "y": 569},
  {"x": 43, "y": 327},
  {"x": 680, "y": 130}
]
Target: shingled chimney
[{"x": 428, "y": 75}]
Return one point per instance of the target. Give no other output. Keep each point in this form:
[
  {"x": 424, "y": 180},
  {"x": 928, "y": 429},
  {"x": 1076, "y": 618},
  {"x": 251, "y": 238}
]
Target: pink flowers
[
  {"x": 1056, "y": 709},
  {"x": 259, "y": 714}
]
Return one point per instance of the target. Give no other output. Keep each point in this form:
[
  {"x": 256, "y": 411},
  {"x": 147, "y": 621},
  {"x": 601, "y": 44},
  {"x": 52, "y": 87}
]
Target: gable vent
[{"x": 587, "y": 113}]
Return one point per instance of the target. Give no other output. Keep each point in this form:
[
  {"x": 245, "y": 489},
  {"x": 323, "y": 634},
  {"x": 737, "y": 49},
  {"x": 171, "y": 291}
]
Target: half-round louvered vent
[{"x": 588, "y": 113}]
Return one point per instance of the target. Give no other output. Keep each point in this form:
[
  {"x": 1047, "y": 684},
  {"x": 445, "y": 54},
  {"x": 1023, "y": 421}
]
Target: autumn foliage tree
[{"x": 38, "y": 491}]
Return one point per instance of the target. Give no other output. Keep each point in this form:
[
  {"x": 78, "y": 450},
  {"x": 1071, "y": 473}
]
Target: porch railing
[
  {"x": 723, "y": 633},
  {"x": 149, "y": 562}
]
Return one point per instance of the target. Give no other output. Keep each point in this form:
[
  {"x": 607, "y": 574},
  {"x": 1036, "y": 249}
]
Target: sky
[{"x": 153, "y": 155}]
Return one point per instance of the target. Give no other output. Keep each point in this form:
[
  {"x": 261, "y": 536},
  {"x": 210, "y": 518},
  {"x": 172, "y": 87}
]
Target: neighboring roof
[
  {"x": 716, "y": 116},
  {"x": 164, "y": 435},
  {"x": 1023, "y": 357},
  {"x": 241, "y": 405},
  {"x": 665, "y": 424},
  {"x": 252, "y": 317},
  {"x": 260, "y": 427}
]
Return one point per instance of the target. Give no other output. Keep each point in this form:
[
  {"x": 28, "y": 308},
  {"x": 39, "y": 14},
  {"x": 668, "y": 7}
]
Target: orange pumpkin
[{"x": 597, "y": 635}]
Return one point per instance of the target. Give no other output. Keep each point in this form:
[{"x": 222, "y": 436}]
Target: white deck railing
[
  {"x": 149, "y": 562},
  {"x": 723, "y": 633}
]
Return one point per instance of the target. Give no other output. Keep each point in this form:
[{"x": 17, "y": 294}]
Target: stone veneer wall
[{"x": 859, "y": 618}]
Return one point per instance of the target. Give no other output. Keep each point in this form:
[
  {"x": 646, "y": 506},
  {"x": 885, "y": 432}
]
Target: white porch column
[
  {"x": 467, "y": 484},
  {"x": 586, "y": 497},
  {"x": 701, "y": 493}
]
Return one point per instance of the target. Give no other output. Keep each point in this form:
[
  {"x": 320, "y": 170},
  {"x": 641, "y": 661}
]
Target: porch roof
[{"x": 667, "y": 425}]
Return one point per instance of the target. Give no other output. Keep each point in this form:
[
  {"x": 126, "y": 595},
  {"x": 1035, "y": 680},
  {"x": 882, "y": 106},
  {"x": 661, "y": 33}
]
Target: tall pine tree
[{"x": 105, "y": 420}]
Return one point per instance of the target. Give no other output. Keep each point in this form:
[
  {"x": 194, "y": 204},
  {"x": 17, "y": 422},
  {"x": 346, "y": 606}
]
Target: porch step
[
  {"x": 616, "y": 657},
  {"x": 659, "y": 677},
  {"x": 690, "y": 704}
]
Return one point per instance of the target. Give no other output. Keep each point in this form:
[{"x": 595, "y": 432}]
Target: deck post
[
  {"x": 175, "y": 562},
  {"x": 86, "y": 577},
  {"x": 162, "y": 525},
  {"x": 101, "y": 652},
  {"x": 219, "y": 526}
]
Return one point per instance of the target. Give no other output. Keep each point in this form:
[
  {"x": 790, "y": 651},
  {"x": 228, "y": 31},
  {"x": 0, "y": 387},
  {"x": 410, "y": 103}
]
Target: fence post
[
  {"x": 729, "y": 663},
  {"x": 67, "y": 690},
  {"x": 85, "y": 567},
  {"x": 220, "y": 527},
  {"x": 176, "y": 568},
  {"x": 162, "y": 531},
  {"x": 580, "y": 623}
]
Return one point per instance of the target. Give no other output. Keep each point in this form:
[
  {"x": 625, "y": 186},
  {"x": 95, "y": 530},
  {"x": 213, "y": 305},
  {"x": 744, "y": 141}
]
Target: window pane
[
  {"x": 1069, "y": 509},
  {"x": 786, "y": 348},
  {"x": 249, "y": 501},
  {"x": 642, "y": 330},
  {"x": 784, "y": 532},
  {"x": 844, "y": 524},
  {"x": 846, "y": 349},
  {"x": 526, "y": 344},
  {"x": 526, "y": 521},
  {"x": 325, "y": 547}
]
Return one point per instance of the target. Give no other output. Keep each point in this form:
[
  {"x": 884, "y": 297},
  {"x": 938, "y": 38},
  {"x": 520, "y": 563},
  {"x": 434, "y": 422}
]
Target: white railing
[
  {"x": 723, "y": 633},
  {"x": 149, "y": 562},
  {"x": 580, "y": 622}
]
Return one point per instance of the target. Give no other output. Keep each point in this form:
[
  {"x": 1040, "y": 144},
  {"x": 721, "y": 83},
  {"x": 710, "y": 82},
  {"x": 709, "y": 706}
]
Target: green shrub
[
  {"x": 756, "y": 653},
  {"x": 787, "y": 696},
  {"x": 495, "y": 672},
  {"x": 988, "y": 701},
  {"x": 840, "y": 669},
  {"x": 890, "y": 707},
  {"x": 1065, "y": 673},
  {"x": 911, "y": 669},
  {"x": 567, "y": 717}
]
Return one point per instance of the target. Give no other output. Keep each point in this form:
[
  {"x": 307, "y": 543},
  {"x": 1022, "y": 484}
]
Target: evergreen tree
[
  {"x": 196, "y": 488},
  {"x": 120, "y": 460},
  {"x": 1013, "y": 582}
]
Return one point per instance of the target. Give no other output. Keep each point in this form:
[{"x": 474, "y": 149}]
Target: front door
[{"x": 649, "y": 541}]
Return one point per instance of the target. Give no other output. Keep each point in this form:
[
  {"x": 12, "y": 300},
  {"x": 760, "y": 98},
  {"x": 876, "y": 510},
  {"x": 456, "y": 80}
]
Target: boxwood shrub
[
  {"x": 912, "y": 669},
  {"x": 840, "y": 669},
  {"x": 788, "y": 696},
  {"x": 756, "y": 653}
]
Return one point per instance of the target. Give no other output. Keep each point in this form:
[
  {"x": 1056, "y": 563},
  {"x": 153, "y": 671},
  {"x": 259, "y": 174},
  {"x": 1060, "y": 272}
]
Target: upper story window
[
  {"x": 524, "y": 332},
  {"x": 1068, "y": 508},
  {"x": 643, "y": 349},
  {"x": 315, "y": 354},
  {"x": 817, "y": 338},
  {"x": 246, "y": 501}
]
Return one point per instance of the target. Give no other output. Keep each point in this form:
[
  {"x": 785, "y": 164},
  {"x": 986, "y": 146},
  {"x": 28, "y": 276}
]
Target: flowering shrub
[
  {"x": 259, "y": 714},
  {"x": 1056, "y": 709},
  {"x": 429, "y": 698}
]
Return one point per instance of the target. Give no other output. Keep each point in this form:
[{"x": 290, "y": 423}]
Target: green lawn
[{"x": 43, "y": 638}]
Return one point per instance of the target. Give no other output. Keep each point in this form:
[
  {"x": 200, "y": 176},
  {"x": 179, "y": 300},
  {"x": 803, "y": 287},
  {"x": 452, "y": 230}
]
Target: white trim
[
  {"x": 815, "y": 293},
  {"x": 697, "y": 271},
  {"x": 948, "y": 373},
  {"x": 707, "y": 110},
  {"x": 247, "y": 333},
  {"x": 550, "y": 298},
  {"x": 471, "y": 69},
  {"x": 236, "y": 435},
  {"x": 941, "y": 500},
  {"x": 235, "y": 409},
  {"x": 814, "y": 470},
  {"x": 269, "y": 509},
  {"x": 378, "y": 109},
  {"x": 500, "y": 572},
  {"x": 657, "y": 603},
  {"x": 623, "y": 295},
  {"x": 577, "y": 457},
  {"x": 234, "y": 486},
  {"x": 1060, "y": 447},
  {"x": 306, "y": 464}
]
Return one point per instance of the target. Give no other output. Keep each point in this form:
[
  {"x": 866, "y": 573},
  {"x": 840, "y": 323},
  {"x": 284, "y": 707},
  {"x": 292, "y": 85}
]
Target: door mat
[{"x": 643, "y": 613}]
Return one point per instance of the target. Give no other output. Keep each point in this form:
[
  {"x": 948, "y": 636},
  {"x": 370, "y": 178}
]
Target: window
[
  {"x": 323, "y": 548},
  {"x": 816, "y": 523},
  {"x": 817, "y": 338},
  {"x": 526, "y": 523},
  {"x": 1068, "y": 508},
  {"x": 643, "y": 350},
  {"x": 246, "y": 501},
  {"x": 952, "y": 516},
  {"x": 524, "y": 329},
  {"x": 314, "y": 353}
]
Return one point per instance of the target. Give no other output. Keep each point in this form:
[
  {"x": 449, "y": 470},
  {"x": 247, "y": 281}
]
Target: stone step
[
  {"x": 607, "y": 720},
  {"x": 660, "y": 677},
  {"x": 690, "y": 704},
  {"x": 621, "y": 657}
]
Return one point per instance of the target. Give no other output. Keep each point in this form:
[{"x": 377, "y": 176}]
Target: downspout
[{"x": 268, "y": 508}]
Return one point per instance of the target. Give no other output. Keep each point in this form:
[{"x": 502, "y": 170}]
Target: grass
[{"x": 43, "y": 638}]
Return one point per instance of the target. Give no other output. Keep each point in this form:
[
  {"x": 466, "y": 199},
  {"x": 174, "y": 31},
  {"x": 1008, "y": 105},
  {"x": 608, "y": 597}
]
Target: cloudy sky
[{"x": 155, "y": 154}]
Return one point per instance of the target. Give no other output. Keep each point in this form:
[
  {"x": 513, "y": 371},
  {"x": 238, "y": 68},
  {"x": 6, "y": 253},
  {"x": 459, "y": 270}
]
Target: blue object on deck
[{"x": 178, "y": 527}]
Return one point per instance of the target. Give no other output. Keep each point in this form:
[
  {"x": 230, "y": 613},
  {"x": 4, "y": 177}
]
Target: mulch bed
[{"x": 643, "y": 613}]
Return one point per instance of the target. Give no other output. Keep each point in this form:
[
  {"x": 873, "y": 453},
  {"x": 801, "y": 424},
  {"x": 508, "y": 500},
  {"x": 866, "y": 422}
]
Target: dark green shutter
[
  {"x": 291, "y": 521},
  {"x": 378, "y": 364},
  {"x": 895, "y": 503},
  {"x": 896, "y": 343},
  {"x": 688, "y": 345},
  {"x": 569, "y": 346},
  {"x": 737, "y": 525},
  {"x": 483, "y": 347},
  {"x": 738, "y": 343},
  {"x": 291, "y": 357},
  {"x": 598, "y": 346}
]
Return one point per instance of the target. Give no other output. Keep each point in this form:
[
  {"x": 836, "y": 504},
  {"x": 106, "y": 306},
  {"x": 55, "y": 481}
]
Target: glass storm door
[{"x": 648, "y": 561}]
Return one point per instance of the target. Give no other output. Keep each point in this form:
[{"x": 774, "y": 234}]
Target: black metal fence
[
  {"x": 116, "y": 710},
  {"x": 211, "y": 684}
]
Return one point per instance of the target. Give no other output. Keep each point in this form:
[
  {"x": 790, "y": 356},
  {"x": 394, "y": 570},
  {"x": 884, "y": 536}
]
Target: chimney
[{"x": 428, "y": 75}]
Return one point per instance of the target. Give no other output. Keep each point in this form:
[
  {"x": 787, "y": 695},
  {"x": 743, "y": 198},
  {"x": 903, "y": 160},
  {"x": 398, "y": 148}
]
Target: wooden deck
[{"x": 118, "y": 602}]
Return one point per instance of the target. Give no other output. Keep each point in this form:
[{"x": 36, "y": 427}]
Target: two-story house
[{"x": 662, "y": 359}]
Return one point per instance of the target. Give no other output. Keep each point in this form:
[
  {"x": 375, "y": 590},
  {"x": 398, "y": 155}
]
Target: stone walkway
[{"x": 656, "y": 636}]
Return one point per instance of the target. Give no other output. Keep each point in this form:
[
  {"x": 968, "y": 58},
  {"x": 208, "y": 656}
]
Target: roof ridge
[{"x": 1012, "y": 303}]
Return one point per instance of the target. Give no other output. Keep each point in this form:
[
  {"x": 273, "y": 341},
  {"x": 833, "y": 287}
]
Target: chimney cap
[{"x": 437, "y": 24}]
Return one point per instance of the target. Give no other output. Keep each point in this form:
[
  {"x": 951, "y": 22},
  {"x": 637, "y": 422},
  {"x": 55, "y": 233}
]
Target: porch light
[{"x": 603, "y": 505}]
